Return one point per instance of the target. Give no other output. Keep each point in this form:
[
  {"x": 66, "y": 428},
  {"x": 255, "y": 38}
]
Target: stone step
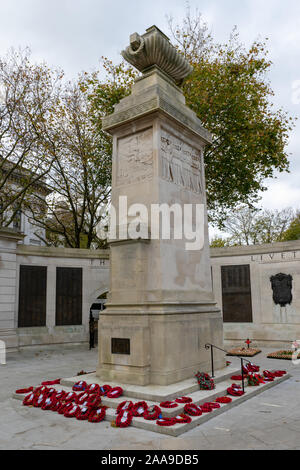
[
  {"x": 179, "y": 429},
  {"x": 156, "y": 393}
]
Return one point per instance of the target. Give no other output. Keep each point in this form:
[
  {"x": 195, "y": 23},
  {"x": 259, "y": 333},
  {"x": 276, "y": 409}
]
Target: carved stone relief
[
  {"x": 180, "y": 163},
  {"x": 135, "y": 157}
]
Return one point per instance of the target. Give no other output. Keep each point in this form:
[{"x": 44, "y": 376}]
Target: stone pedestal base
[{"x": 166, "y": 346}]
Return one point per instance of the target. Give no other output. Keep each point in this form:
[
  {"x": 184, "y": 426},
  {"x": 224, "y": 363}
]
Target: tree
[
  {"x": 230, "y": 93},
  {"x": 26, "y": 98},
  {"x": 219, "y": 242},
  {"x": 80, "y": 174},
  {"x": 248, "y": 226},
  {"x": 293, "y": 231}
]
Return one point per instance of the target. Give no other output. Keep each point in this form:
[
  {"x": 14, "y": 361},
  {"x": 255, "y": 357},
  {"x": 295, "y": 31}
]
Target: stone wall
[
  {"x": 95, "y": 270},
  {"x": 272, "y": 324}
]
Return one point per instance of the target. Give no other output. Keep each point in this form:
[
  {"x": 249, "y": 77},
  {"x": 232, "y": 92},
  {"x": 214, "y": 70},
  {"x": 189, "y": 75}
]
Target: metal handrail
[{"x": 211, "y": 347}]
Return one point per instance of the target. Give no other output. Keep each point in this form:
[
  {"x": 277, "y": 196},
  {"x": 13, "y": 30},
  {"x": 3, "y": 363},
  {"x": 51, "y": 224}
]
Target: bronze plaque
[
  {"x": 236, "y": 294},
  {"x": 120, "y": 346}
]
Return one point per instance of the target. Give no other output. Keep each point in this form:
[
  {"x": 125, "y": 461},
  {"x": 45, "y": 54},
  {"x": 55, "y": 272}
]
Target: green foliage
[
  {"x": 293, "y": 231},
  {"x": 219, "y": 242},
  {"x": 230, "y": 93}
]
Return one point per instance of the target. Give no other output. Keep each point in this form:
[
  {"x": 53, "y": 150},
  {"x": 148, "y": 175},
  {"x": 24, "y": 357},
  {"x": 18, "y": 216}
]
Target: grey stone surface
[{"x": 268, "y": 421}]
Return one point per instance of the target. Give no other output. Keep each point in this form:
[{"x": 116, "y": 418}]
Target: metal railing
[{"x": 212, "y": 347}]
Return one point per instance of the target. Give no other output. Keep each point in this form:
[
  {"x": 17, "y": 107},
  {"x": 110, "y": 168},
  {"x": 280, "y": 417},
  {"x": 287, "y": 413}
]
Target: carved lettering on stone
[
  {"x": 180, "y": 163},
  {"x": 135, "y": 158}
]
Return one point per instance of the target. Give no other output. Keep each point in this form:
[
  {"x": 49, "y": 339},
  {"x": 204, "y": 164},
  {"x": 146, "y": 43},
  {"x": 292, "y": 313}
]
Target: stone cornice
[
  {"x": 54, "y": 252},
  {"x": 242, "y": 250}
]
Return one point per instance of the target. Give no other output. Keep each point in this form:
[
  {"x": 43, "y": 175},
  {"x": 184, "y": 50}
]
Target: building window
[{"x": 17, "y": 220}]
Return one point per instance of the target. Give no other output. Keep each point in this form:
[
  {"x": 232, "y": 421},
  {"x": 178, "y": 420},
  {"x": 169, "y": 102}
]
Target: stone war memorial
[
  {"x": 161, "y": 310},
  {"x": 161, "y": 334}
]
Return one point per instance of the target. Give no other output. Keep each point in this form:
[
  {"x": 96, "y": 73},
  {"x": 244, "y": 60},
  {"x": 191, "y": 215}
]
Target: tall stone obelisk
[{"x": 161, "y": 310}]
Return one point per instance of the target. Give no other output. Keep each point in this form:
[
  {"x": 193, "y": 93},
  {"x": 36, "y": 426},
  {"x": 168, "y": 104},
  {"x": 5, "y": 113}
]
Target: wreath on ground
[
  {"x": 115, "y": 392},
  {"x": 235, "y": 390},
  {"x": 125, "y": 405},
  {"x": 96, "y": 416},
  {"x": 224, "y": 400},
  {"x": 83, "y": 413},
  {"x": 168, "y": 404},
  {"x": 166, "y": 421},
  {"x": 139, "y": 409},
  {"x": 152, "y": 413},
  {"x": 124, "y": 418},
  {"x": 79, "y": 386},
  {"x": 192, "y": 410},
  {"x": 205, "y": 381},
  {"x": 184, "y": 400}
]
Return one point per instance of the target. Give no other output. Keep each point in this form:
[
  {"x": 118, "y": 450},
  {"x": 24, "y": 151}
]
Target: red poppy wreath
[
  {"x": 24, "y": 390},
  {"x": 168, "y": 404},
  {"x": 152, "y": 413},
  {"x": 97, "y": 415},
  {"x": 115, "y": 392},
  {"x": 124, "y": 418},
  {"x": 125, "y": 405},
  {"x": 139, "y": 409},
  {"x": 83, "y": 413},
  {"x": 166, "y": 421},
  {"x": 192, "y": 410},
  {"x": 184, "y": 400},
  {"x": 224, "y": 400}
]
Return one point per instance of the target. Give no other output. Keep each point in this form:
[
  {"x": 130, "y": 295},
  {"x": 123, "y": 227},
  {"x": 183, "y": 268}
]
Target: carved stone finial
[{"x": 154, "y": 49}]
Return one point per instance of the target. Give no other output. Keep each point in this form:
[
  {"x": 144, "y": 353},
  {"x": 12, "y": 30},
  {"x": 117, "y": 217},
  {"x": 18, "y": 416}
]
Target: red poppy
[
  {"x": 124, "y": 418},
  {"x": 152, "y": 413}
]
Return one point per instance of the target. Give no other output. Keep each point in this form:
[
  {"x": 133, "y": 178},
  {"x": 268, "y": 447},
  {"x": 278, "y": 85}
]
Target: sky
[{"x": 74, "y": 34}]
